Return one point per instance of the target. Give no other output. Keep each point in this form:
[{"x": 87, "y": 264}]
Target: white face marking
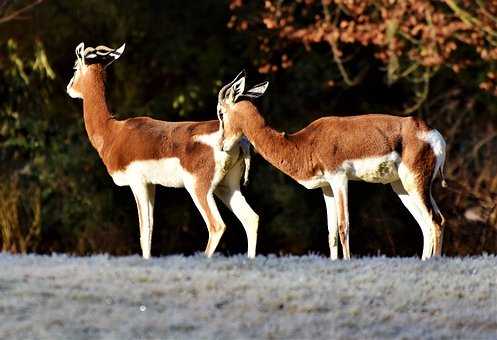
[
  {"x": 166, "y": 171},
  {"x": 227, "y": 142},
  {"x": 71, "y": 92},
  {"x": 79, "y": 68}
]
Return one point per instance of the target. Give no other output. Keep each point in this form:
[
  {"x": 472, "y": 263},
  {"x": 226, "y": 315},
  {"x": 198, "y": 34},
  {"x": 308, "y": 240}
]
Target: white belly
[
  {"x": 167, "y": 172},
  {"x": 381, "y": 169},
  {"x": 318, "y": 181}
]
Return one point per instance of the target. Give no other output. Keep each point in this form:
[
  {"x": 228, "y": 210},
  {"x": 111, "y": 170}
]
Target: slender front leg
[
  {"x": 229, "y": 193},
  {"x": 235, "y": 201},
  {"x": 145, "y": 196},
  {"x": 204, "y": 201},
  {"x": 331, "y": 211},
  {"x": 339, "y": 185}
]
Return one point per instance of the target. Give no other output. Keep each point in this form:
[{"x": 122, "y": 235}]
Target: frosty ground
[{"x": 236, "y": 298}]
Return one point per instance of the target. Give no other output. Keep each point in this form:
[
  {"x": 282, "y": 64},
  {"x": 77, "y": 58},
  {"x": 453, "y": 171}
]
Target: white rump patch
[
  {"x": 438, "y": 145},
  {"x": 166, "y": 171},
  {"x": 436, "y": 141}
]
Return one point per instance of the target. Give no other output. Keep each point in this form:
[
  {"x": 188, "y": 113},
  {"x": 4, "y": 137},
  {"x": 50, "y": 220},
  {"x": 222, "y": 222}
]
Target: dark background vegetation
[{"x": 435, "y": 59}]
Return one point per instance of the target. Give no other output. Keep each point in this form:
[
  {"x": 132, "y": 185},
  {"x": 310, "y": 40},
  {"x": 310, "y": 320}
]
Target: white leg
[
  {"x": 339, "y": 186},
  {"x": 204, "y": 200},
  {"x": 235, "y": 201},
  {"x": 415, "y": 205},
  {"x": 144, "y": 197},
  {"x": 229, "y": 193},
  {"x": 331, "y": 210}
]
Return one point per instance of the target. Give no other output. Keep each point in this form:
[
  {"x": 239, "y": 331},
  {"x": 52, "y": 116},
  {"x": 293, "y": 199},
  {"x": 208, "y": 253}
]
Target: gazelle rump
[
  {"x": 143, "y": 152},
  {"x": 401, "y": 151}
]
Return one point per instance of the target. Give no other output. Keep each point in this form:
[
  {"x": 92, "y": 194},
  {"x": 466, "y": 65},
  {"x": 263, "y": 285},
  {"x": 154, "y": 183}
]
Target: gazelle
[
  {"x": 142, "y": 152},
  {"x": 401, "y": 151}
]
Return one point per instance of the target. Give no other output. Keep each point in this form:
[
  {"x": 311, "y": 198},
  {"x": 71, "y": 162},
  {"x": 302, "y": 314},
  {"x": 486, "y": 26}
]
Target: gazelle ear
[
  {"x": 257, "y": 91},
  {"x": 237, "y": 89},
  {"x": 226, "y": 91},
  {"x": 80, "y": 52},
  {"x": 120, "y": 50},
  {"x": 115, "y": 54}
]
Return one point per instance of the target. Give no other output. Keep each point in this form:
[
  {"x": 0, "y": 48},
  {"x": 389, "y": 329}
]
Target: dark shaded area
[{"x": 57, "y": 197}]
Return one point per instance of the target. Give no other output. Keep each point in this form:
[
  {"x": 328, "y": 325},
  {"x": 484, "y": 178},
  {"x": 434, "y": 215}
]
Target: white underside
[
  {"x": 168, "y": 172},
  {"x": 382, "y": 169}
]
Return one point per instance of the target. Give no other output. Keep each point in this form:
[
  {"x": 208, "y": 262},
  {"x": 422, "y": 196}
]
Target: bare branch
[
  {"x": 336, "y": 53},
  {"x": 17, "y": 13},
  {"x": 421, "y": 96},
  {"x": 472, "y": 21}
]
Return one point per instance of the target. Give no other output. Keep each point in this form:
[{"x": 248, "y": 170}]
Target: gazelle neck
[
  {"x": 97, "y": 116},
  {"x": 280, "y": 150}
]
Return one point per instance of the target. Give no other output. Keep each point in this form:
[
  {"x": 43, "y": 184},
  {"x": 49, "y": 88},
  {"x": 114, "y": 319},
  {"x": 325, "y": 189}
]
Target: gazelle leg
[
  {"x": 204, "y": 201},
  {"x": 425, "y": 205},
  {"x": 438, "y": 228},
  {"x": 331, "y": 210},
  {"x": 229, "y": 193},
  {"x": 235, "y": 201},
  {"x": 145, "y": 196},
  {"x": 411, "y": 202},
  {"x": 339, "y": 185}
]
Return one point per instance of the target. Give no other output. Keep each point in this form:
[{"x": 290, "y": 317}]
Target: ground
[{"x": 310, "y": 297}]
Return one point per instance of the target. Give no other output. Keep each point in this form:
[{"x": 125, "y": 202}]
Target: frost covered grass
[{"x": 232, "y": 297}]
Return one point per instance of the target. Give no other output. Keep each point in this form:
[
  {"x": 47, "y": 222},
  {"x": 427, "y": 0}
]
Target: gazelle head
[
  {"x": 86, "y": 61},
  {"x": 229, "y": 114}
]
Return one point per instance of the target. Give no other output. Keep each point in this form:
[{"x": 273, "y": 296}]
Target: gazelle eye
[{"x": 219, "y": 113}]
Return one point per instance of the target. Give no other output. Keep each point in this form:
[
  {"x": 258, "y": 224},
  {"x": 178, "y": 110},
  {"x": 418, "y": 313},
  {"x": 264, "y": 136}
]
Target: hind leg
[
  {"x": 425, "y": 205},
  {"x": 438, "y": 226},
  {"x": 411, "y": 203},
  {"x": 439, "y": 230},
  {"x": 418, "y": 187}
]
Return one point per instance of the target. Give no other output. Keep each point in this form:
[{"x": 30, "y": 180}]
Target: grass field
[{"x": 61, "y": 297}]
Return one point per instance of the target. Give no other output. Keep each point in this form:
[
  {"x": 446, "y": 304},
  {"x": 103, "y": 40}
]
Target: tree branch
[{"x": 15, "y": 15}]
